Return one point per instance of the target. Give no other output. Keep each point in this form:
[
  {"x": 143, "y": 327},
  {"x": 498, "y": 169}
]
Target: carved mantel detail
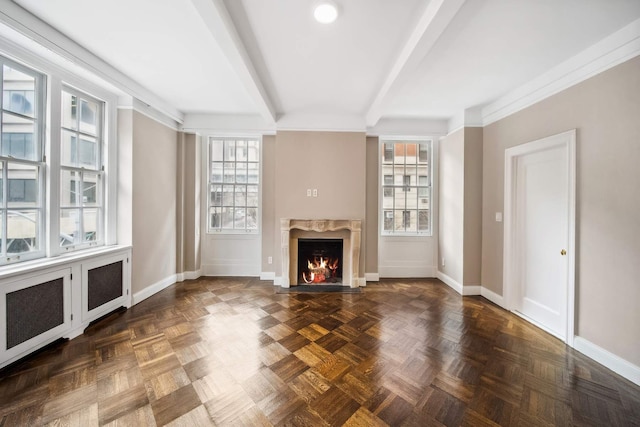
[{"x": 354, "y": 226}]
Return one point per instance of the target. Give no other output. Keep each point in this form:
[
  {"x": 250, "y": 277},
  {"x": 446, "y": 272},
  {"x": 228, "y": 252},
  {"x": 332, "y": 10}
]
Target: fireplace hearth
[{"x": 319, "y": 261}]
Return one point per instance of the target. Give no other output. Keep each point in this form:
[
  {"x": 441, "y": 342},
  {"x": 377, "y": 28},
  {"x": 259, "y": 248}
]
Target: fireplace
[
  {"x": 346, "y": 230},
  {"x": 319, "y": 261}
]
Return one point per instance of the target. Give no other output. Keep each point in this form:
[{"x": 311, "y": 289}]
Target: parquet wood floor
[{"x": 229, "y": 351}]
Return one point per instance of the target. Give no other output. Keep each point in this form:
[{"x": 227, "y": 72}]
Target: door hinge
[
  {"x": 72, "y": 317},
  {"x": 127, "y": 291},
  {"x": 71, "y": 276}
]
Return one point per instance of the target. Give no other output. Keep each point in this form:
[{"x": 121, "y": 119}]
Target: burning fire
[{"x": 320, "y": 269}]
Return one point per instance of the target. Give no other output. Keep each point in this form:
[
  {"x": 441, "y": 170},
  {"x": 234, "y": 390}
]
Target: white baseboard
[
  {"x": 493, "y": 297},
  {"x": 372, "y": 277},
  {"x": 188, "y": 275},
  {"x": 453, "y": 284},
  {"x": 230, "y": 269},
  {"x": 154, "y": 289},
  {"x": 407, "y": 271},
  {"x": 278, "y": 281},
  {"x": 359, "y": 282},
  {"x": 268, "y": 275},
  {"x": 610, "y": 360}
]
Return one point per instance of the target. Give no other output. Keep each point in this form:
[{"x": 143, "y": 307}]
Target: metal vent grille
[
  {"x": 104, "y": 284},
  {"x": 34, "y": 310}
]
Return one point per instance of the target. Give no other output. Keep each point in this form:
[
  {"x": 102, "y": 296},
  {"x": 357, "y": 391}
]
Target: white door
[{"x": 540, "y": 220}]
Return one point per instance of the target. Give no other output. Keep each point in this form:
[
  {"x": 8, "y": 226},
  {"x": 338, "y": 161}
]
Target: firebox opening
[{"x": 319, "y": 261}]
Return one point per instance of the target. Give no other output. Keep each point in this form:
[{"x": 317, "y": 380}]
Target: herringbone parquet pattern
[{"x": 232, "y": 352}]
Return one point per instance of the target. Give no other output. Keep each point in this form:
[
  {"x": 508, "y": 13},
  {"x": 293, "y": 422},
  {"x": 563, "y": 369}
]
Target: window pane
[
  {"x": 69, "y": 111},
  {"x": 387, "y": 197},
  {"x": 69, "y": 226},
  {"x": 252, "y": 196},
  {"x": 89, "y": 116},
  {"x": 22, "y": 185},
  {"x": 387, "y": 153},
  {"x": 227, "y": 195},
  {"x": 90, "y": 224},
  {"x": 399, "y": 156},
  {"x": 69, "y": 149},
  {"x": 253, "y": 173},
  {"x": 88, "y": 153},
  {"x": 388, "y": 220},
  {"x": 216, "y": 172},
  {"x": 1, "y": 187},
  {"x": 69, "y": 188},
  {"x": 216, "y": 150},
  {"x": 91, "y": 187},
  {"x": 18, "y": 137},
  {"x": 216, "y": 195},
  {"x": 399, "y": 220},
  {"x": 423, "y": 156},
  {"x": 229, "y": 172},
  {"x": 241, "y": 173},
  {"x": 253, "y": 153},
  {"x": 411, "y": 151},
  {"x": 227, "y": 218},
  {"x": 22, "y": 231},
  {"x": 240, "y": 218},
  {"x": 423, "y": 220},
  {"x": 216, "y": 218},
  {"x": 388, "y": 180},
  {"x": 252, "y": 218},
  {"x": 240, "y": 196},
  {"x": 241, "y": 151},
  {"x": 229, "y": 151},
  {"x": 18, "y": 91}
]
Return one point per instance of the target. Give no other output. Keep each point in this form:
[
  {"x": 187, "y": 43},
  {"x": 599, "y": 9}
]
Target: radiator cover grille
[
  {"x": 104, "y": 284},
  {"x": 34, "y": 310}
]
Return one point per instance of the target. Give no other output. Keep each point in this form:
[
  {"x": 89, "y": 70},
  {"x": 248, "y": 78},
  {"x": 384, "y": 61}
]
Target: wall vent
[{"x": 34, "y": 310}]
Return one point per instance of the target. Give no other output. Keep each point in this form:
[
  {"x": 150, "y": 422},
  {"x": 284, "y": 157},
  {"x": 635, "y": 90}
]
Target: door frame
[{"x": 565, "y": 140}]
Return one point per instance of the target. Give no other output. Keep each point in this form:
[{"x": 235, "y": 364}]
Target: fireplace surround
[{"x": 349, "y": 230}]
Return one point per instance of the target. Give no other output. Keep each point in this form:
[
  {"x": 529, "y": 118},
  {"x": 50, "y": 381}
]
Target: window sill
[{"x": 25, "y": 267}]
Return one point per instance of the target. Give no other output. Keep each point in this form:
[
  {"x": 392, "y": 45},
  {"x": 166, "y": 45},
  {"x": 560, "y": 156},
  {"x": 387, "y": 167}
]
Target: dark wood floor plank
[{"x": 230, "y": 351}]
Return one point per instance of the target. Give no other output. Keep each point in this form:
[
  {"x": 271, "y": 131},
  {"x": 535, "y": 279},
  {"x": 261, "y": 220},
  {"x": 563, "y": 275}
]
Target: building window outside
[
  {"x": 81, "y": 171},
  {"x": 21, "y": 163},
  {"x": 406, "y": 166},
  {"x": 234, "y": 185}
]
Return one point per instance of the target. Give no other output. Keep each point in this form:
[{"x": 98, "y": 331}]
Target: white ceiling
[{"x": 382, "y": 59}]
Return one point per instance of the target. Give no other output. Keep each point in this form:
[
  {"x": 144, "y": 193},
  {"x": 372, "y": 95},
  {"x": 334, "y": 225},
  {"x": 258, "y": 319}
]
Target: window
[
  {"x": 81, "y": 172},
  {"x": 21, "y": 163},
  {"x": 406, "y": 188},
  {"x": 234, "y": 179}
]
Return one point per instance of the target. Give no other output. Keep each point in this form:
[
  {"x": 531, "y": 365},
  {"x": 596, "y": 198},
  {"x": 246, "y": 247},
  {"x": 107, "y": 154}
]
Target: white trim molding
[
  {"x": 613, "y": 50},
  {"x": 406, "y": 270},
  {"x": 268, "y": 275},
  {"x": 154, "y": 289},
  {"x": 492, "y": 296},
  {"x": 371, "y": 277},
  {"x": 449, "y": 281},
  {"x": 615, "y": 363},
  {"x": 511, "y": 265},
  {"x": 188, "y": 275}
]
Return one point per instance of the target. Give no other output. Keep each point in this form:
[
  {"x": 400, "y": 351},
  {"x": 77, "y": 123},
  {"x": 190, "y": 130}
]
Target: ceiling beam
[
  {"x": 435, "y": 19},
  {"x": 216, "y": 17}
]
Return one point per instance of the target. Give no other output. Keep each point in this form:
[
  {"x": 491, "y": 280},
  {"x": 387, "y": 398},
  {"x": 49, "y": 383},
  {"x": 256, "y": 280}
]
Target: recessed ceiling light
[{"x": 326, "y": 12}]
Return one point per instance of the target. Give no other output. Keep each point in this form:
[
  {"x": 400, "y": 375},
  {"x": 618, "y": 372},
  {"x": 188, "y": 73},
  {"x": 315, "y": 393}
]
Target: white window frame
[
  {"x": 403, "y": 189},
  {"x": 40, "y": 101},
  {"x": 209, "y": 183},
  {"x": 79, "y": 243},
  {"x": 55, "y": 78}
]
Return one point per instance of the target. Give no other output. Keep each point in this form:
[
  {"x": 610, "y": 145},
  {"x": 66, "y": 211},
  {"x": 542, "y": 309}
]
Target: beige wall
[
  {"x": 605, "y": 111},
  {"x": 154, "y": 202},
  {"x": 371, "y": 215},
  {"x": 334, "y": 163},
  {"x": 472, "y": 206},
  {"x": 268, "y": 201},
  {"x": 451, "y": 205},
  {"x": 188, "y": 194},
  {"x": 125, "y": 180}
]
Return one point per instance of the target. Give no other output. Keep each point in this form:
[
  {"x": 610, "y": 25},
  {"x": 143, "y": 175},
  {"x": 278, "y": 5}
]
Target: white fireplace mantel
[{"x": 354, "y": 226}]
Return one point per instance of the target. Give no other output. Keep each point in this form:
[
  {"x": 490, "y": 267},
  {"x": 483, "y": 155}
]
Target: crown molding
[{"x": 613, "y": 50}]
